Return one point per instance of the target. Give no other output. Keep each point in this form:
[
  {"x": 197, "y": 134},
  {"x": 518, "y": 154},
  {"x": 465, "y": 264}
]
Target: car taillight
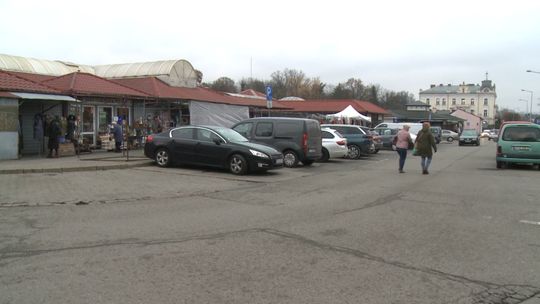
[
  {"x": 304, "y": 143},
  {"x": 499, "y": 150},
  {"x": 341, "y": 142},
  {"x": 149, "y": 139}
]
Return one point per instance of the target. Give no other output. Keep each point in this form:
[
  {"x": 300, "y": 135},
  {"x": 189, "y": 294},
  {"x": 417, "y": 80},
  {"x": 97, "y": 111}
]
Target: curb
[{"x": 75, "y": 169}]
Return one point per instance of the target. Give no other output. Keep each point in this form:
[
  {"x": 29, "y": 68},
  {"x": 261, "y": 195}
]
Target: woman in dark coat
[
  {"x": 425, "y": 146},
  {"x": 54, "y": 132}
]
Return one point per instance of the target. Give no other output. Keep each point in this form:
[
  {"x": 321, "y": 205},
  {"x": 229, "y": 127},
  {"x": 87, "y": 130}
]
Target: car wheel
[
  {"x": 354, "y": 152},
  {"x": 162, "y": 157},
  {"x": 238, "y": 164},
  {"x": 307, "y": 162},
  {"x": 460, "y": 144},
  {"x": 376, "y": 151},
  {"x": 325, "y": 155},
  {"x": 290, "y": 159},
  {"x": 478, "y": 143},
  {"x": 499, "y": 165},
  {"x": 450, "y": 139}
]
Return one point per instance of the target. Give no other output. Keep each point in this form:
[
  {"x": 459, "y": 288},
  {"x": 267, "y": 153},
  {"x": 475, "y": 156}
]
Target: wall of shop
[
  {"x": 33, "y": 139},
  {"x": 9, "y": 135}
]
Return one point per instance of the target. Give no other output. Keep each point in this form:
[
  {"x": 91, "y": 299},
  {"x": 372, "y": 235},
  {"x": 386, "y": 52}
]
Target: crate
[{"x": 66, "y": 149}]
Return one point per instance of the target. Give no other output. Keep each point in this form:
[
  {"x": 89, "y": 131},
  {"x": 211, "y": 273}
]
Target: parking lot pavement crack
[
  {"x": 360, "y": 254},
  {"x": 378, "y": 202},
  {"x": 10, "y": 252}
]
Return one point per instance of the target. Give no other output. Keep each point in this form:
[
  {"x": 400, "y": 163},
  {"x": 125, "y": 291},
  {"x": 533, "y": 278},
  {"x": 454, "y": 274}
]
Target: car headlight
[{"x": 258, "y": 154}]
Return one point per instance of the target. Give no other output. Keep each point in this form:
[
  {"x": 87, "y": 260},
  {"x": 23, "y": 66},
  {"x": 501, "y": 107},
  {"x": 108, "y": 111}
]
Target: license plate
[
  {"x": 279, "y": 161},
  {"x": 520, "y": 148}
]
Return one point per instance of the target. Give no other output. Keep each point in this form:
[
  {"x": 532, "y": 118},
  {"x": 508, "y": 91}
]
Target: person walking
[
  {"x": 425, "y": 146},
  {"x": 402, "y": 141}
]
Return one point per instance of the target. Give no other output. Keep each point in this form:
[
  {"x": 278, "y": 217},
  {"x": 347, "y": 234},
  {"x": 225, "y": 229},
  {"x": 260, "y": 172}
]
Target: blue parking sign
[{"x": 269, "y": 96}]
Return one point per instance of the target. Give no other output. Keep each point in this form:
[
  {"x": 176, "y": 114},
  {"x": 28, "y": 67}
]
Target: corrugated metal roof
[
  {"x": 44, "y": 96},
  {"x": 40, "y": 66},
  {"x": 139, "y": 69}
]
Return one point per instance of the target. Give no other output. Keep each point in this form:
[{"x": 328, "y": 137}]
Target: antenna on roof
[{"x": 487, "y": 76}]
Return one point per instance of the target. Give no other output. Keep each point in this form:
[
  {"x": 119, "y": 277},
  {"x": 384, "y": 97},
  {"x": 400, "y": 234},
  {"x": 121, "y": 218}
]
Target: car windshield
[
  {"x": 469, "y": 133},
  {"x": 521, "y": 133},
  {"x": 231, "y": 135}
]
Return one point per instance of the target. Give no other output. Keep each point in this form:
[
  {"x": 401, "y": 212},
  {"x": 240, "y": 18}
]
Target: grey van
[{"x": 299, "y": 139}]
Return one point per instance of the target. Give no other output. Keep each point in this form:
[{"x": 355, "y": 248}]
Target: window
[
  {"x": 184, "y": 133},
  {"x": 427, "y": 101},
  {"x": 206, "y": 135},
  {"x": 263, "y": 129},
  {"x": 438, "y": 101},
  {"x": 485, "y": 113},
  {"x": 485, "y": 101},
  {"x": 462, "y": 101},
  {"x": 472, "y": 101},
  {"x": 326, "y": 134},
  {"x": 453, "y": 101},
  {"x": 244, "y": 129},
  {"x": 520, "y": 133},
  {"x": 444, "y": 101},
  {"x": 472, "y": 111}
]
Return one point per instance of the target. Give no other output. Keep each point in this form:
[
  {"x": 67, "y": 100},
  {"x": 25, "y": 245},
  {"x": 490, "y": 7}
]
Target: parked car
[
  {"x": 469, "y": 137},
  {"x": 299, "y": 139},
  {"x": 449, "y": 136},
  {"x": 375, "y": 137},
  {"x": 415, "y": 127},
  {"x": 485, "y": 133},
  {"x": 334, "y": 145},
  {"x": 211, "y": 146},
  {"x": 437, "y": 133},
  {"x": 387, "y": 135},
  {"x": 493, "y": 134},
  {"x": 518, "y": 143},
  {"x": 358, "y": 141}
]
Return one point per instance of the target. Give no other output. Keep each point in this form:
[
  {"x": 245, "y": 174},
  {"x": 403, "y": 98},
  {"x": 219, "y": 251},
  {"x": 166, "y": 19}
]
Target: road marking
[{"x": 529, "y": 222}]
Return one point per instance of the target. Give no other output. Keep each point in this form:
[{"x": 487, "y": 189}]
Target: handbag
[{"x": 415, "y": 150}]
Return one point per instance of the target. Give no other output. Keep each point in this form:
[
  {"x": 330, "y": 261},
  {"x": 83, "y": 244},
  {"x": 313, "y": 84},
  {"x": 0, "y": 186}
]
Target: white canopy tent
[{"x": 349, "y": 112}]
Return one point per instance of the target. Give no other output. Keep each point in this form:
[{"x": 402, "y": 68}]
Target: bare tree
[{"x": 224, "y": 84}]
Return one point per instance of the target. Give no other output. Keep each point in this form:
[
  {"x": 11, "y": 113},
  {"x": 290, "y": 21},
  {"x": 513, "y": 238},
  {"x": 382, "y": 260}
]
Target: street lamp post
[
  {"x": 530, "y": 111},
  {"x": 526, "y": 105}
]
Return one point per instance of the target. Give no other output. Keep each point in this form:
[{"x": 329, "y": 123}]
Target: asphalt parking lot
[{"x": 347, "y": 231}]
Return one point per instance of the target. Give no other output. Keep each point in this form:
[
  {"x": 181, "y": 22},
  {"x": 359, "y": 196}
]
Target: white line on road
[{"x": 529, "y": 222}]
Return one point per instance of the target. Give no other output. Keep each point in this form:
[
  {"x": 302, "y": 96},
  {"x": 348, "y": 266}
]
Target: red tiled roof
[
  {"x": 33, "y": 77},
  {"x": 79, "y": 83},
  {"x": 333, "y": 106},
  {"x": 12, "y": 82},
  {"x": 156, "y": 87}
]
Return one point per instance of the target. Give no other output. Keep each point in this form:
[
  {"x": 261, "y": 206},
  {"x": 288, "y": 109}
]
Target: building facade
[{"x": 476, "y": 99}]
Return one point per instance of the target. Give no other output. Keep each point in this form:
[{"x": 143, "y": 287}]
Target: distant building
[{"x": 476, "y": 99}]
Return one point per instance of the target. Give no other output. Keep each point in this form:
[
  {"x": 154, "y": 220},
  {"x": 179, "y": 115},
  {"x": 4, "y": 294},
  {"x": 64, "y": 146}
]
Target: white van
[{"x": 415, "y": 127}]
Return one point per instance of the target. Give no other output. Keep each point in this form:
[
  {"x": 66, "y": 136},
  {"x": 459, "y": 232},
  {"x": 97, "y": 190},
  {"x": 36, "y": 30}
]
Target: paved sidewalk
[{"x": 97, "y": 160}]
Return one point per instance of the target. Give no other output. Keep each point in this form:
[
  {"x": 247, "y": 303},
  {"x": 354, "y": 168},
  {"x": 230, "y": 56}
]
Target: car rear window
[{"x": 521, "y": 133}]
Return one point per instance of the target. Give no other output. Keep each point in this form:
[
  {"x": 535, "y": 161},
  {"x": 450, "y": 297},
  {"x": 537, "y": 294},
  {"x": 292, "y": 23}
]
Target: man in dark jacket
[
  {"x": 54, "y": 132},
  {"x": 424, "y": 144},
  {"x": 118, "y": 136}
]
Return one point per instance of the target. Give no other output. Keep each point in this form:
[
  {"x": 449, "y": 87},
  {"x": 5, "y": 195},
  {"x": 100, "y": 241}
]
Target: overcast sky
[{"x": 401, "y": 45}]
